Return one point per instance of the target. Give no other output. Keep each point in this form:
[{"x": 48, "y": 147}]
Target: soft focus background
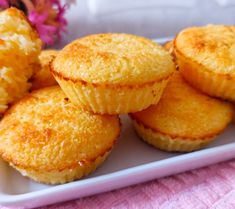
[{"x": 150, "y": 18}]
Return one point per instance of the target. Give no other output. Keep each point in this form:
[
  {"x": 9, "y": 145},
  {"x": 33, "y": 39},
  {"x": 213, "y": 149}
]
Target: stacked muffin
[
  {"x": 113, "y": 73},
  {"x": 62, "y": 133}
]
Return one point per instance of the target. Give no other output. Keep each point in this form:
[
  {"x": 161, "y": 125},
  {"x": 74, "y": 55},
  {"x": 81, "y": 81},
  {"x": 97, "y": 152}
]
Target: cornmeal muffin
[
  {"x": 206, "y": 58},
  {"x": 43, "y": 77},
  {"x": 19, "y": 49},
  {"x": 48, "y": 139},
  {"x": 184, "y": 119},
  {"x": 169, "y": 46},
  {"x": 113, "y": 73}
]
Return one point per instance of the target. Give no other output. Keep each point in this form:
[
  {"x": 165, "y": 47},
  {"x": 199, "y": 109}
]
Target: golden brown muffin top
[
  {"x": 212, "y": 46},
  {"x": 116, "y": 59},
  {"x": 185, "y": 112},
  {"x": 44, "y": 131},
  {"x": 43, "y": 77}
]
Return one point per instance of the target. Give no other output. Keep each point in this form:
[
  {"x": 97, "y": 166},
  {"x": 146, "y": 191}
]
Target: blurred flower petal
[
  {"x": 46, "y": 15},
  {"x": 4, "y": 3}
]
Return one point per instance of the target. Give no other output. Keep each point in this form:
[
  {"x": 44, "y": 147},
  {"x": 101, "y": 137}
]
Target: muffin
[
  {"x": 47, "y": 138},
  {"x": 206, "y": 59},
  {"x": 169, "y": 46},
  {"x": 20, "y": 46},
  {"x": 184, "y": 119},
  {"x": 43, "y": 77},
  {"x": 113, "y": 73}
]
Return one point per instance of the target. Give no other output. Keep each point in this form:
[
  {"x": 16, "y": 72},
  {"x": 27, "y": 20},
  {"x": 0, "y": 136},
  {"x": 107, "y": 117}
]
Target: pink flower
[
  {"x": 46, "y": 31},
  {"x": 46, "y": 15},
  {"x": 4, "y": 3},
  {"x": 48, "y": 18}
]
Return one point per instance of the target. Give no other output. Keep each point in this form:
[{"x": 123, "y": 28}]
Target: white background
[{"x": 150, "y": 18}]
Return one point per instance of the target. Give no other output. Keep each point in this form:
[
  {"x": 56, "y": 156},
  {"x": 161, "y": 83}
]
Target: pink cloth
[{"x": 210, "y": 187}]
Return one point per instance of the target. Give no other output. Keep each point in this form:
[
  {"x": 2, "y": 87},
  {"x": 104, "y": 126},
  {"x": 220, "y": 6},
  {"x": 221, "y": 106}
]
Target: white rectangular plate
[{"x": 132, "y": 161}]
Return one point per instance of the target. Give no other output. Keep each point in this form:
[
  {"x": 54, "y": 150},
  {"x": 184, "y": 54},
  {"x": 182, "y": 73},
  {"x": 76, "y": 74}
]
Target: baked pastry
[
  {"x": 113, "y": 73},
  {"x": 45, "y": 137},
  {"x": 184, "y": 119},
  {"x": 169, "y": 46},
  {"x": 43, "y": 77},
  {"x": 206, "y": 59},
  {"x": 20, "y": 47}
]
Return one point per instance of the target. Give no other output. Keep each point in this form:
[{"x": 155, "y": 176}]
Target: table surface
[{"x": 210, "y": 187}]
